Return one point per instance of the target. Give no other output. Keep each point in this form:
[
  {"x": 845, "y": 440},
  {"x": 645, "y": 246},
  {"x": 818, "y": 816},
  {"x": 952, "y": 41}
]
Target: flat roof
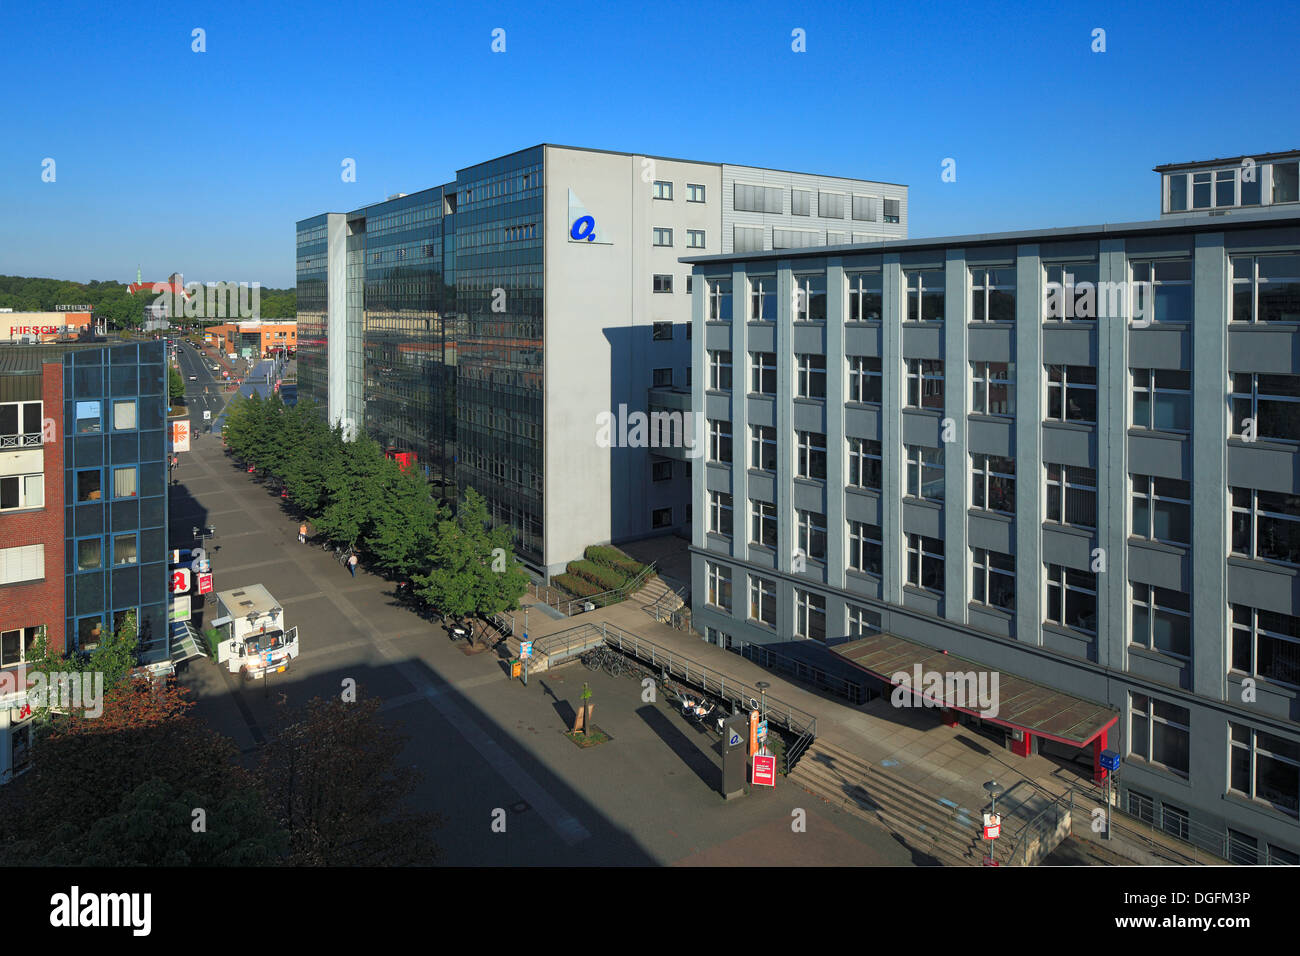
[
  {"x": 1286, "y": 218},
  {"x": 1257, "y": 157},
  {"x": 241, "y": 602},
  {"x": 1021, "y": 703}
]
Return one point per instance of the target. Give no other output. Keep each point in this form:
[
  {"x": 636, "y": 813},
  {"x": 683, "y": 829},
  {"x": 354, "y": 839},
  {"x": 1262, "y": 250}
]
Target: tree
[
  {"x": 114, "y": 658},
  {"x": 405, "y": 524},
  {"x": 175, "y": 384},
  {"x": 472, "y": 567},
  {"x": 351, "y": 492},
  {"x": 336, "y": 787}
]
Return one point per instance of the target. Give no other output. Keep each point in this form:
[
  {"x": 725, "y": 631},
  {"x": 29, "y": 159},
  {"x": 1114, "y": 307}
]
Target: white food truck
[{"x": 254, "y": 640}]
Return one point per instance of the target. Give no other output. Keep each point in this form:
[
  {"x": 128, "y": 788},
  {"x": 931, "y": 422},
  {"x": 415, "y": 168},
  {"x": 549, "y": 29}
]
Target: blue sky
[{"x": 202, "y": 162}]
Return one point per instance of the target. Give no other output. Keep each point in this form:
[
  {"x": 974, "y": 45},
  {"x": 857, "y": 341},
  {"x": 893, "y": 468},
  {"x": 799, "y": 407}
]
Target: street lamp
[
  {"x": 994, "y": 789},
  {"x": 762, "y": 707}
]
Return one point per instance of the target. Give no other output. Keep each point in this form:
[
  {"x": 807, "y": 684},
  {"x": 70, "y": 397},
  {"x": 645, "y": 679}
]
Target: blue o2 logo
[{"x": 583, "y": 228}]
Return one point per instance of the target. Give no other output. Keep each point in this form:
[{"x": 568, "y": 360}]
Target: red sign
[
  {"x": 205, "y": 583},
  {"x": 764, "y": 771},
  {"x": 180, "y": 580}
]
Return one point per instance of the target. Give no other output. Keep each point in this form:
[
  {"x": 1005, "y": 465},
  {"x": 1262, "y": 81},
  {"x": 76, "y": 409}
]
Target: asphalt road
[{"x": 488, "y": 747}]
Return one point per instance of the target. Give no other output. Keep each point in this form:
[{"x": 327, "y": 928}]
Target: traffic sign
[
  {"x": 180, "y": 580},
  {"x": 207, "y": 415},
  {"x": 764, "y": 770},
  {"x": 1109, "y": 760}
]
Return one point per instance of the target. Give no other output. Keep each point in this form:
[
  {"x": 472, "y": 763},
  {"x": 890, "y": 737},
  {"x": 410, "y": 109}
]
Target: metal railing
[
  {"x": 775, "y": 660},
  {"x": 1044, "y": 822},
  {"x": 505, "y": 623},
  {"x": 565, "y": 603},
  {"x": 28, "y": 440},
  {"x": 1205, "y": 845},
  {"x": 656, "y": 607}
]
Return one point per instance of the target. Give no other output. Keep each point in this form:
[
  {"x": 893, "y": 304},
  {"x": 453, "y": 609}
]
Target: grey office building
[
  {"x": 1072, "y": 455},
  {"x": 485, "y": 324}
]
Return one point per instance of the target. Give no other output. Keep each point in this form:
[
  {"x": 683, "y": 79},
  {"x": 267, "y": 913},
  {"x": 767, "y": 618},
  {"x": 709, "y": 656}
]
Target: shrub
[
  {"x": 607, "y": 578},
  {"x": 578, "y": 587},
  {"x": 612, "y": 557}
]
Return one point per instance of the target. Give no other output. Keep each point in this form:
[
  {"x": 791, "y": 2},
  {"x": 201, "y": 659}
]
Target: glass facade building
[
  {"x": 115, "y": 494},
  {"x": 313, "y": 309}
]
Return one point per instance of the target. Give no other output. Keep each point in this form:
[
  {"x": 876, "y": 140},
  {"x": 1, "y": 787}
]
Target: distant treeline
[{"x": 111, "y": 299}]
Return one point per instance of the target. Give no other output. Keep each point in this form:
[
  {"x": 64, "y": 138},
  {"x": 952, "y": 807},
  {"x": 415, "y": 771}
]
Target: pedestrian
[
  {"x": 302, "y": 532},
  {"x": 352, "y": 565}
]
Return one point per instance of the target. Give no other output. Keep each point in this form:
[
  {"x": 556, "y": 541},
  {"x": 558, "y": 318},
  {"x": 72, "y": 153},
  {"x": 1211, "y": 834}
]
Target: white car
[{"x": 194, "y": 378}]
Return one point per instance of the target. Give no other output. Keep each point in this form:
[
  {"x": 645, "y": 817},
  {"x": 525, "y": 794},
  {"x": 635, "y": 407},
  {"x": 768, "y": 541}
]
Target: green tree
[
  {"x": 406, "y": 521},
  {"x": 351, "y": 492},
  {"x": 175, "y": 384},
  {"x": 114, "y": 657},
  {"x": 472, "y": 567}
]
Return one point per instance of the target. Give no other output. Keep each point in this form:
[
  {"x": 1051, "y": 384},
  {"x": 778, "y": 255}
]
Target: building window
[
  {"x": 663, "y": 237},
  {"x": 925, "y": 562},
  {"x": 661, "y": 471},
  {"x": 1266, "y": 644},
  {"x": 1072, "y": 495},
  {"x": 864, "y": 463},
  {"x": 124, "y": 415},
  {"x": 757, "y": 198},
  {"x": 810, "y": 376},
  {"x": 22, "y": 491},
  {"x": 1286, "y": 182},
  {"x": 864, "y": 296},
  {"x": 21, "y": 564},
  {"x": 662, "y": 332},
  {"x": 88, "y": 418},
  {"x": 1266, "y": 288},
  {"x": 993, "y": 295},
  {"x": 1159, "y": 732},
  {"x": 90, "y": 554},
  {"x": 720, "y": 513},
  {"x": 694, "y": 192},
  {"x": 993, "y": 579},
  {"x": 994, "y": 388},
  {"x": 1266, "y": 525},
  {"x": 762, "y": 299},
  {"x": 762, "y": 600},
  {"x": 719, "y": 371},
  {"x": 809, "y": 615},
  {"x": 863, "y": 622},
  {"x": 89, "y": 487},
  {"x": 1162, "y": 509},
  {"x": 663, "y": 190},
  {"x": 719, "y": 584},
  {"x": 810, "y": 455},
  {"x": 125, "y": 549},
  {"x": 747, "y": 238},
  {"x": 661, "y": 518},
  {"x": 925, "y": 383},
  {"x": 865, "y": 548},
  {"x": 1264, "y": 767},
  {"x": 864, "y": 379},
  {"x": 20, "y": 424},
  {"x": 1071, "y": 292},
  {"x": 720, "y": 441},
  {"x": 925, "y": 291},
  {"x": 663, "y": 378},
  {"x": 16, "y": 645},
  {"x": 663, "y": 283},
  {"x": 762, "y": 373},
  {"x": 993, "y": 483},
  {"x": 924, "y": 472},
  {"x": 690, "y": 287},
  {"x": 695, "y": 239},
  {"x": 1072, "y": 598},
  {"x": 810, "y": 298},
  {"x": 1162, "y": 620},
  {"x": 124, "y": 482},
  {"x": 800, "y": 202},
  {"x": 864, "y": 208},
  {"x": 762, "y": 526},
  {"x": 1072, "y": 393},
  {"x": 719, "y": 292},
  {"x": 1272, "y": 401},
  {"x": 891, "y": 213},
  {"x": 762, "y": 447},
  {"x": 830, "y": 205},
  {"x": 1162, "y": 290},
  {"x": 811, "y": 529},
  {"x": 1162, "y": 399}
]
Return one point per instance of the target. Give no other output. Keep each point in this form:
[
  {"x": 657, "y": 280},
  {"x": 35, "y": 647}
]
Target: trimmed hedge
[
  {"x": 612, "y": 557},
  {"x": 575, "y": 585},
  {"x": 607, "y": 578}
]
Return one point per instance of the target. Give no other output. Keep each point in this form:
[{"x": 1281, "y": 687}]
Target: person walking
[
  {"x": 352, "y": 565},
  {"x": 302, "y": 532}
]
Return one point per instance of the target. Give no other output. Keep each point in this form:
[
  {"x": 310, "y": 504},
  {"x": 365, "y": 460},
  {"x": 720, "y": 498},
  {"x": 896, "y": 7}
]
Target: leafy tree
[
  {"x": 472, "y": 567},
  {"x": 406, "y": 521},
  {"x": 337, "y": 788},
  {"x": 351, "y": 492},
  {"x": 114, "y": 658},
  {"x": 175, "y": 384}
]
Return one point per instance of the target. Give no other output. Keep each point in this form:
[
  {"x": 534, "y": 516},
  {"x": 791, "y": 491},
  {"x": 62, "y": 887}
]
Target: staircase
[
  {"x": 664, "y": 604},
  {"x": 947, "y": 833}
]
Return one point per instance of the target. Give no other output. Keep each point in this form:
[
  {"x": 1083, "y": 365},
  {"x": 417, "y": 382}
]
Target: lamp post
[{"x": 993, "y": 788}]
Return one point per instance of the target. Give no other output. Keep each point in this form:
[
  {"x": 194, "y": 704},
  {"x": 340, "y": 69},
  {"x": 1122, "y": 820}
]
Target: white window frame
[
  {"x": 864, "y": 541},
  {"x": 1253, "y": 748},
  {"x": 1065, "y": 386},
  {"x": 762, "y": 518},
  {"x": 864, "y": 372},
  {"x": 762, "y": 597},
  {"x": 1061, "y": 581},
  {"x": 1068, "y": 478},
  {"x": 984, "y": 379},
  {"x": 27, "y": 499},
  {"x": 862, "y": 452},
  {"x": 762, "y": 365},
  {"x": 762, "y": 291},
  {"x": 721, "y": 516},
  {"x": 1157, "y": 601},
  {"x": 1254, "y": 397},
  {"x": 762, "y": 446},
  {"x": 922, "y": 374},
  {"x": 1254, "y": 513},
  {"x": 920, "y": 460},
  {"x": 807, "y": 447},
  {"x": 1146, "y": 384},
  {"x": 807, "y": 606},
  {"x": 1253, "y": 631},
  {"x": 861, "y": 286},
  {"x": 921, "y": 553},
  {"x": 1150, "y": 495},
  {"x": 720, "y": 370},
  {"x": 808, "y": 375},
  {"x": 716, "y": 577},
  {"x": 810, "y": 531},
  {"x": 983, "y": 571},
  {"x": 720, "y": 440}
]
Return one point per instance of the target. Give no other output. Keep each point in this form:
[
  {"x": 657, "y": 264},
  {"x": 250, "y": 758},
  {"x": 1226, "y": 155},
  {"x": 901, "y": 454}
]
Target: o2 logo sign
[{"x": 582, "y": 224}]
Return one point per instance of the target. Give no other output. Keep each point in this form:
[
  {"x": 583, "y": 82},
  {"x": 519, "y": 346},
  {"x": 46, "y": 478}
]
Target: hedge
[
  {"x": 613, "y": 558},
  {"x": 607, "y": 578},
  {"x": 575, "y": 585}
]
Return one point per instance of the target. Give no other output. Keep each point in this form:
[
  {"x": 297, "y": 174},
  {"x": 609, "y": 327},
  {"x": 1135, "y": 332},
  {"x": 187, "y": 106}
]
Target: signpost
[
  {"x": 525, "y": 655},
  {"x": 1109, "y": 760},
  {"x": 180, "y": 580}
]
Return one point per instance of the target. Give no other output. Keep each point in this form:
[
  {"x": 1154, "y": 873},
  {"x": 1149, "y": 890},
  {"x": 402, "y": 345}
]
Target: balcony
[{"x": 29, "y": 440}]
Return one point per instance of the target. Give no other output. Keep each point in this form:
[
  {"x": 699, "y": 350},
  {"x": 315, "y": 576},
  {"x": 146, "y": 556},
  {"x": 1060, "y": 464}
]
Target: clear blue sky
[{"x": 202, "y": 162}]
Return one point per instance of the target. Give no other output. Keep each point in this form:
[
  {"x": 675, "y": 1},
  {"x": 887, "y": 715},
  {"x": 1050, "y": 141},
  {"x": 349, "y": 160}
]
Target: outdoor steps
[
  {"x": 920, "y": 819},
  {"x": 655, "y": 588}
]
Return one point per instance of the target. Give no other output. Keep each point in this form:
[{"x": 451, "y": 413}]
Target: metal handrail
[
  {"x": 622, "y": 592},
  {"x": 1031, "y": 827},
  {"x": 655, "y": 610}
]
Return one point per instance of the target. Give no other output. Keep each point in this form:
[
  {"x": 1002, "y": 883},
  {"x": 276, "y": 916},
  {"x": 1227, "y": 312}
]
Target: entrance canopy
[{"x": 1021, "y": 704}]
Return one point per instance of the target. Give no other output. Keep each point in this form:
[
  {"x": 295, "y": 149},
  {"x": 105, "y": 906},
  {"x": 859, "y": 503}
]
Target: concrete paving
[{"x": 482, "y": 742}]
